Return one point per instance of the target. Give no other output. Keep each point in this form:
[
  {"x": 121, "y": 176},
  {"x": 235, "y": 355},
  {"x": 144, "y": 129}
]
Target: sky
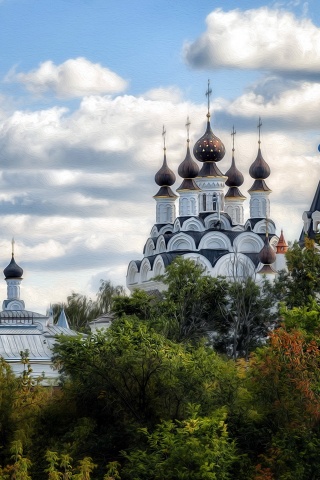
[{"x": 86, "y": 87}]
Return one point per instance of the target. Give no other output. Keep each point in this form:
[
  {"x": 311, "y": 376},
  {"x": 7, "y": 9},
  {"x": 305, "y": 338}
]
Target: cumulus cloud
[
  {"x": 74, "y": 78},
  {"x": 263, "y": 38},
  {"x": 287, "y": 104}
]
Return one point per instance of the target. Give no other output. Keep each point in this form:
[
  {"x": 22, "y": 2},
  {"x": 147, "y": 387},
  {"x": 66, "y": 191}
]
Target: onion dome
[
  {"x": 259, "y": 170},
  {"x": 188, "y": 168},
  {"x": 13, "y": 270},
  {"x": 267, "y": 256},
  {"x": 235, "y": 177},
  {"x": 165, "y": 176},
  {"x": 282, "y": 246},
  {"x": 209, "y": 148}
]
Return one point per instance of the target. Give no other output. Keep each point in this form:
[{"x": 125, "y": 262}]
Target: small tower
[
  {"x": 234, "y": 199},
  {"x": 259, "y": 170},
  {"x": 188, "y": 190},
  {"x": 13, "y": 277},
  {"x": 281, "y": 249},
  {"x": 209, "y": 150},
  {"x": 165, "y": 198}
]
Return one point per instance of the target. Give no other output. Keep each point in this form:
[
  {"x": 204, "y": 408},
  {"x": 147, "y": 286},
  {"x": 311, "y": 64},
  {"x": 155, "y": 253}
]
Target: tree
[
  {"x": 302, "y": 280},
  {"x": 247, "y": 317},
  {"x": 81, "y": 310},
  {"x": 284, "y": 382},
  {"x": 197, "y": 448},
  {"x": 106, "y": 295},
  {"x": 192, "y": 302}
]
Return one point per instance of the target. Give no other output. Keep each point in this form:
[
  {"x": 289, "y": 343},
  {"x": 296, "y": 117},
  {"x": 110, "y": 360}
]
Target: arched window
[
  {"x": 204, "y": 203},
  {"x": 214, "y": 202}
]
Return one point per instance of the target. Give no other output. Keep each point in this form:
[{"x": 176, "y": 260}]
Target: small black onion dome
[
  {"x": 259, "y": 169},
  {"x": 235, "y": 177},
  {"x": 13, "y": 270},
  {"x": 267, "y": 255},
  {"x": 209, "y": 148},
  {"x": 165, "y": 176},
  {"x": 188, "y": 168}
]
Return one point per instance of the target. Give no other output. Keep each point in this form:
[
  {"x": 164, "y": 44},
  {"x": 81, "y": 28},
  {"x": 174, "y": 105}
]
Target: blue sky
[{"x": 86, "y": 86}]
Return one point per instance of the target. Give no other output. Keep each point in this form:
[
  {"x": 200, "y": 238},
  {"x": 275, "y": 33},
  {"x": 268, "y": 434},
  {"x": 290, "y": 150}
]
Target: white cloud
[
  {"x": 296, "y": 105},
  {"x": 73, "y": 78},
  {"x": 261, "y": 38},
  {"x": 169, "y": 94}
]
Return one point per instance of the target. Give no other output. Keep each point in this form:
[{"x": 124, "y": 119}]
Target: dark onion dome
[
  {"x": 13, "y": 270},
  {"x": 235, "y": 177},
  {"x": 165, "y": 176},
  {"x": 267, "y": 255},
  {"x": 188, "y": 168},
  {"x": 259, "y": 169},
  {"x": 209, "y": 148}
]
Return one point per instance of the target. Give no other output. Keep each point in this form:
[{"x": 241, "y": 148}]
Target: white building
[
  {"x": 22, "y": 330},
  {"x": 210, "y": 226}
]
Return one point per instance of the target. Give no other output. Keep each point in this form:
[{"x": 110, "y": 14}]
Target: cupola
[
  {"x": 267, "y": 256},
  {"x": 209, "y": 148},
  {"x": 165, "y": 197}
]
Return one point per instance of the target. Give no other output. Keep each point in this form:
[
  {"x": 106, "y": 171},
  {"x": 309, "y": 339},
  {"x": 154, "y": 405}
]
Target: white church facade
[{"x": 209, "y": 226}]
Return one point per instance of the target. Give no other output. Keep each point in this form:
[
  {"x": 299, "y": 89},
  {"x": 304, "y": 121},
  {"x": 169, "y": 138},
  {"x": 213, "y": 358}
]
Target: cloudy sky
[{"x": 86, "y": 86}]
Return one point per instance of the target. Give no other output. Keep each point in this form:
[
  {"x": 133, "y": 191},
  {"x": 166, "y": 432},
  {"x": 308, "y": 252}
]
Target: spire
[
  {"x": 208, "y": 93},
  {"x": 282, "y": 246},
  {"x": 13, "y": 270},
  {"x": 164, "y": 177},
  {"x": 235, "y": 177},
  {"x": 62, "y": 320},
  {"x": 188, "y": 169},
  {"x": 209, "y": 148},
  {"x": 259, "y": 170},
  {"x": 165, "y": 198}
]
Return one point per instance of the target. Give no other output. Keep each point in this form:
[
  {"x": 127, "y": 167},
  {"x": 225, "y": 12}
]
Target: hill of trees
[{"x": 210, "y": 380}]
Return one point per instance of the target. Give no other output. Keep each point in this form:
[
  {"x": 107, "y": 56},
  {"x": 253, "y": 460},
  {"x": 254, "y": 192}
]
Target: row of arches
[
  {"x": 245, "y": 242},
  {"x": 231, "y": 265}
]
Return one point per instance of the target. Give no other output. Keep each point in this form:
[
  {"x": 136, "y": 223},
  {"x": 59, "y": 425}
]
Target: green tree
[
  {"x": 106, "y": 295},
  {"x": 301, "y": 282},
  {"x": 247, "y": 317},
  {"x": 193, "y": 301},
  {"x": 195, "y": 448}
]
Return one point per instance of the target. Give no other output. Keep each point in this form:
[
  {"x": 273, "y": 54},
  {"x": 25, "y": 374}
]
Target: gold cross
[{"x": 12, "y": 243}]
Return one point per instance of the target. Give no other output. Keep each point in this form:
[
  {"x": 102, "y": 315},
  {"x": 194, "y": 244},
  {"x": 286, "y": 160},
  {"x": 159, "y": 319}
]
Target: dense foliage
[{"x": 209, "y": 380}]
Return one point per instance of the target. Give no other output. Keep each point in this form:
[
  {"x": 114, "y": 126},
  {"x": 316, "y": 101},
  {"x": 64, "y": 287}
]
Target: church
[
  {"x": 210, "y": 227},
  {"x": 26, "y": 332}
]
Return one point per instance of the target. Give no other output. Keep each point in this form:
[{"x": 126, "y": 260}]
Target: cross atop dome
[
  {"x": 208, "y": 93},
  {"x": 259, "y": 127}
]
